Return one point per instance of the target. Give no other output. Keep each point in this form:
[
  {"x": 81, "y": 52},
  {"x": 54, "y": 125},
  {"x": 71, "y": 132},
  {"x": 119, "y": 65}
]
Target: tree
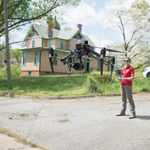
[
  {"x": 16, "y": 53},
  {"x": 22, "y": 12},
  {"x": 2, "y": 57},
  {"x": 134, "y": 25}
]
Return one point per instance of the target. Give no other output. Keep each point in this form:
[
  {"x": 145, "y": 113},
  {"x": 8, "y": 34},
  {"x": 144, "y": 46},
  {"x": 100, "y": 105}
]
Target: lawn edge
[{"x": 68, "y": 97}]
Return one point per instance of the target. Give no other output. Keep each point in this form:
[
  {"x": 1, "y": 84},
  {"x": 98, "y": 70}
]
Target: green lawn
[{"x": 63, "y": 85}]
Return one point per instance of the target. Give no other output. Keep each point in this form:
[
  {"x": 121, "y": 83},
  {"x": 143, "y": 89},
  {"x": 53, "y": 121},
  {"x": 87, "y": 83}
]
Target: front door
[{"x": 87, "y": 66}]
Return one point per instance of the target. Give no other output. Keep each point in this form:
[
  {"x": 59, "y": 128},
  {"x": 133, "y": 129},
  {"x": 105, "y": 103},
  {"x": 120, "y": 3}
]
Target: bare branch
[
  {"x": 132, "y": 37},
  {"x": 10, "y": 44},
  {"x": 19, "y": 25},
  {"x": 123, "y": 32},
  {"x": 140, "y": 65}
]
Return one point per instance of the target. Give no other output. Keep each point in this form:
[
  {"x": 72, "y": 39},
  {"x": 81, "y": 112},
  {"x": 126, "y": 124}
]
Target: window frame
[
  {"x": 24, "y": 63},
  {"x": 33, "y": 42},
  {"x": 47, "y": 73},
  {"x": 36, "y": 64},
  {"x": 62, "y": 42},
  {"x": 50, "y": 43},
  {"x": 55, "y": 60},
  {"x": 98, "y": 66},
  {"x": 29, "y": 73},
  {"x": 45, "y": 43}
]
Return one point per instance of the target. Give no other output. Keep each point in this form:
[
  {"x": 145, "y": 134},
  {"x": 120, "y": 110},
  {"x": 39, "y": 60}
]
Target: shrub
[
  {"x": 15, "y": 71},
  {"x": 102, "y": 78},
  {"x": 92, "y": 85}
]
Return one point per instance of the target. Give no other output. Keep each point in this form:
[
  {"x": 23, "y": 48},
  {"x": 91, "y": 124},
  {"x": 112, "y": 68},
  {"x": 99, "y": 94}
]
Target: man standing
[{"x": 126, "y": 88}]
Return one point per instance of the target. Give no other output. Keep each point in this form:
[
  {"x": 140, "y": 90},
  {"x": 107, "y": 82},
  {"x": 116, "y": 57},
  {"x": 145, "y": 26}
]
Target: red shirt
[{"x": 126, "y": 74}]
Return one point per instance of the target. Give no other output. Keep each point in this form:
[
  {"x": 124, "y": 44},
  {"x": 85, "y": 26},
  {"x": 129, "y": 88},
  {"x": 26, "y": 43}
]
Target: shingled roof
[{"x": 65, "y": 33}]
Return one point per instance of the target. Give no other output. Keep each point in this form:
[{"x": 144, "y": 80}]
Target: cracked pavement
[{"x": 78, "y": 124}]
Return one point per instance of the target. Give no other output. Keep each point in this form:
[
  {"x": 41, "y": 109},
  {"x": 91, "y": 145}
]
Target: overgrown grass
[
  {"x": 63, "y": 85},
  {"x": 46, "y": 85}
]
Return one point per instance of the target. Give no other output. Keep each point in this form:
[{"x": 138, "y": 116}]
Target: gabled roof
[{"x": 65, "y": 33}]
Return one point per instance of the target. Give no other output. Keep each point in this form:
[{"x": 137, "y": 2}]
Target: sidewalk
[{"x": 9, "y": 143}]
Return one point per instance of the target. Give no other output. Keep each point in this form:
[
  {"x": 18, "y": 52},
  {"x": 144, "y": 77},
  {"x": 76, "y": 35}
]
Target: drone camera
[
  {"x": 79, "y": 46},
  {"x": 78, "y": 66}
]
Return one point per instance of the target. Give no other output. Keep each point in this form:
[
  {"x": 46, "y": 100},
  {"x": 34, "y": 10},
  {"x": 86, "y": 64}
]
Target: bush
[
  {"x": 92, "y": 85},
  {"x": 103, "y": 78},
  {"x": 15, "y": 71}
]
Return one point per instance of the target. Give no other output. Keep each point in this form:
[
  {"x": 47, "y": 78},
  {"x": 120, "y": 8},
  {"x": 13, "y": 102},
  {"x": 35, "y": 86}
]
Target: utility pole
[{"x": 7, "y": 45}]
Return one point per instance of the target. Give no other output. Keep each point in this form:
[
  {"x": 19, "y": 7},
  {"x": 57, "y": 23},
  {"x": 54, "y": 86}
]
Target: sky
[{"x": 88, "y": 13}]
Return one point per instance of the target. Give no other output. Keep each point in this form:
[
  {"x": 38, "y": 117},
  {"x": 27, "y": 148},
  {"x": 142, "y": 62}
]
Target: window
[
  {"x": 24, "y": 58},
  {"x": 61, "y": 44},
  {"x": 47, "y": 73},
  {"x": 50, "y": 43},
  {"x": 33, "y": 43},
  {"x": 29, "y": 73},
  {"x": 45, "y": 43},
  {"x": 33, "y": 35},
  {"x": 98, "y": 65},
  {"x": 77, "y": 36},
  {"x": 36, "y": 58},
  {"x": 56, "y": 61}
]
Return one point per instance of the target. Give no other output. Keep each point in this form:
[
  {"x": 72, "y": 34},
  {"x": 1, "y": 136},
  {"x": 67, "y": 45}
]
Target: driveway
[{"x": 78, "y": 124}]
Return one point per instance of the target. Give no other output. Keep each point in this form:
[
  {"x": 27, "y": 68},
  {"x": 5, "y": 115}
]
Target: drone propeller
[
  {"x": 120, "y": 58},
  {"x": 103, "y": 53},
  {"x": 108, "y": 56},
  {"x": 111, "y": 50},
  {"x": 50, "y": 55}
]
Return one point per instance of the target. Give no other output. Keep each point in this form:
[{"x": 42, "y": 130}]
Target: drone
[{"x": 83, "y": 49}]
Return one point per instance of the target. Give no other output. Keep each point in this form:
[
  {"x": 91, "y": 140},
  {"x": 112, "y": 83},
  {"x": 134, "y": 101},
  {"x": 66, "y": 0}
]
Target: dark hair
[{"x": 128, "y": 58}]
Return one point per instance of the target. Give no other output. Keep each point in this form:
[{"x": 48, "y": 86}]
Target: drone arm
[
  {"x": 89, "y": 49},
  {"x": 112, "y": 65},
  {"x": 94, "y": 57},
  {"x": 106, "y": 64},
  {"x": 67, "y": 57}
]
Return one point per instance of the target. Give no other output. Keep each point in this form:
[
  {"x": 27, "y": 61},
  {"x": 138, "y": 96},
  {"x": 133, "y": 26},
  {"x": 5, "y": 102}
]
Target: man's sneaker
[
  {"x": 132, "y": 116},
  {"x": 120, "y": 114}
]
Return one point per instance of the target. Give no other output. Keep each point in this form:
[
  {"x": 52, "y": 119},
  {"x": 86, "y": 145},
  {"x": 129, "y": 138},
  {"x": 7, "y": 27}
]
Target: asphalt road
[{"x": 79, "y": 124}]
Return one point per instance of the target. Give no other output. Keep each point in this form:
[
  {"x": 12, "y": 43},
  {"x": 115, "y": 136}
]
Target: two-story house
[{"x": 35, "y": 61}]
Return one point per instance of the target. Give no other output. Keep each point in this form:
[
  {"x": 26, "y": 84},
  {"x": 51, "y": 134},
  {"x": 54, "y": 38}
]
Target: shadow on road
[{"x": 143, "y": 117}]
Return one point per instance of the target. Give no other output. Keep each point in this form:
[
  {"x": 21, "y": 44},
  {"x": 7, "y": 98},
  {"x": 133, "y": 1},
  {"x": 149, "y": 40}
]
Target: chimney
[
  {"x": 49, "y": 30},
  {"x": 50, "y": 27},
  {"x": 56, "y": 24},
  {"x": 79, "y": 26}
]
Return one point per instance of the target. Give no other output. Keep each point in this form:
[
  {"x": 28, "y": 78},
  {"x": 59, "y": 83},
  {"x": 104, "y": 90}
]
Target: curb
[
  {"x": 67, "y": 97},
  {"x": 15, "y": 96}
]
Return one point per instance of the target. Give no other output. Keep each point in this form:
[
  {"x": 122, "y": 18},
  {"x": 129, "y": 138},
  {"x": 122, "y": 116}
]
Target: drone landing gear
[
  {"x": 50, "y": 55},
  {"x": 69, "y": 65}
]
